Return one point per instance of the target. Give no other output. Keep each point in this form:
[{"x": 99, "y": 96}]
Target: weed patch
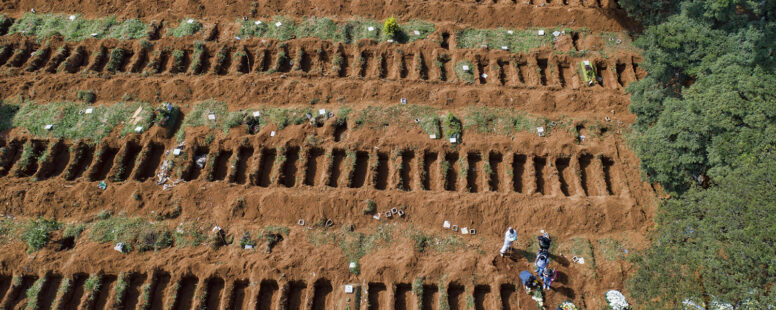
[{"x": 46, "y": 25}]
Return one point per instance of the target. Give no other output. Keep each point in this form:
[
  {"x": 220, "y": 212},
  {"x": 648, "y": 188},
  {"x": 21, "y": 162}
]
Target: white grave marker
[
  {"x": 272, "y": 133},
  {"x": 190, "y": 21},
  {"x": 446, "y": 224},
  {"x": 72, "y": 17},
  {"x": 48, "y": 127},
  {"x": 453, "y": 140},
  {"x": 555, "y": 33},
  {"x": 484, "y": 76},
  {"x": 89, "y": 111},
  {"x": 256, "y": 113},
  {"x": 465, "y": 68},
  {"x": 417, "y": 33},
  {"x": 540, "y": 131},
  {"x": 541, "y": 32},
  {"x": 464, "y": 231},
  {"x": 433, "y": 137},
  {"x": 510, "y": 32},
  {"x": 278, "y": 24},
  {"x": 370, "y": 28},
  {"x": 322, "y": 111},
  {"x": 139, "y": 129},
  {"x": 258, "y": 22},
  {"x": 211, "y": 116},
  {"x": 506, "y": 48},
  {"x": 349, "y": 289}
]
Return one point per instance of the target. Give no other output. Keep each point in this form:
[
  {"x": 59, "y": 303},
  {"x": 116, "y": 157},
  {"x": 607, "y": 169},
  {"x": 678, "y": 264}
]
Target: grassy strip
[
  {"x": 283, "y": 28},
  {"x": 71, "y": 122},
  {"x": 78, "y": 29},
  {"x": 501, "y": 121},
  {"x": 354, "y": 245},
  {"x": 133, "y": 232},
  {"x": 518, "y": 41}
]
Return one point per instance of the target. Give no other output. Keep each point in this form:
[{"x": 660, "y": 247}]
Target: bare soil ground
[{"x": 585, "y": 194}]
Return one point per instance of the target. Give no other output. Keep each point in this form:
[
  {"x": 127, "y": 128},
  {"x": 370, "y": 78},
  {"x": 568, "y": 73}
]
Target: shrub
[
  {"x": 186, "y": 27},
  {"x": 391, "y": 27},
  {"x": 86, "y": 96},
  {"x": 370, "y": 206}
]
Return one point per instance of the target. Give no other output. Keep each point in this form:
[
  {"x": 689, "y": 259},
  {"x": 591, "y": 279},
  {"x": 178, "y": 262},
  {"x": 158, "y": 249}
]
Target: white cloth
[{"x": 509, "y": 237}]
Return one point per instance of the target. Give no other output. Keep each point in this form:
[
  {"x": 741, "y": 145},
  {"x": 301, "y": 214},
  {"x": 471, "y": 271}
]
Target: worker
[
  {"x": 548, "y": 275},
  {"x": 541, "y": 262},
  {"x": 544, "y": 241},
  {"x": 529, "y": 281},
  {"x": 509, "y": 237}
]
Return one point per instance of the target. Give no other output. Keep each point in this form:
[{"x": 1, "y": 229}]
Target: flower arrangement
[{"x": 616, "y": 300}]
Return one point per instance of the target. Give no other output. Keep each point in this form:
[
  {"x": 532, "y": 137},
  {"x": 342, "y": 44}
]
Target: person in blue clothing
[
  {"x": 542, "y": 260},
  {"x": 548, "y": 275},
  {"x": 529, "y": 281}
]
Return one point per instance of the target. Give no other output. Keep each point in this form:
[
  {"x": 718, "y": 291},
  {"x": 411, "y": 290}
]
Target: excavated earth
[{"x": 588, "y": 190}]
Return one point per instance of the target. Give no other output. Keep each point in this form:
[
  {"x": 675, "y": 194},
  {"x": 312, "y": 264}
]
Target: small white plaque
[
  {"x": 257, "y": 114},
  {"x": 139, "y": 129},
  {"x": 89, "y": 111},
  {"x": 464, "y": 231},
  {"x": 541, "y": 32},
  {"x": 352, "y": 265},
  {"x": 258, "y": 22},
  {"x": 72, "y": 17},
  {"x": 176, "y": 152},
  {"x": 506, "y": 48},
  {"x": 453, "y": 140},
  {"x": 48, "y": 127},
  {"x": 555, "y": 33},
  {"x": 211, "y": 116},
  {"x": 484, "y": 76},
  {"x": 349, "y": 289},
  {"x": 322, "y": 111},
  {"x": 190, "y": 21},
  {"x": 370, "y": 28},
  {"x": 272, "y": 133},
  {"x": 446, "y": 224},
  {"x": 510, "y": 32},
  {"x": 432, "y": 137},
  {"x": 417, "y": 33},
  {"x": 278, "y": 24},
  {"x": 465, "y": 68}
]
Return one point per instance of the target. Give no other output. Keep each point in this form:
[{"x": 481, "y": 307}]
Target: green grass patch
[
  {"x": 38, "y": 232},
  {"x": 46, "y": 25},
  {"x": 519, "y": 41},
  {"x": 583, "y": 248},
  {"x": 87, "y": 96},
  {"x": 501, "y": 121},
  {"x": 135, "y": 233},
  {"x": 465, "y": 71},
  {"x": 187, "y": 234},
  {"x": 120, "y": 289},
  {"x": 452, "y": 126},
  {"x": 70, "y": 121},
  {"x": 326, "y": 29},
  {"x": 73, "y": 230},
  {"x": 611, "y": 248},
  {"x": 186, "y": 27},
  {"x": 354, "y": 245},
  {"x": 92, "y": 286},
  {"x": 33, "y": 293}
]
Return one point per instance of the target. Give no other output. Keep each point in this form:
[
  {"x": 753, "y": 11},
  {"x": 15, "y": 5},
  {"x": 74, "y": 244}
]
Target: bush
[
  {"x": 370, "y": 207},
  {"x": 86, "y": 96},
  {"x": 38, "y": 232},
  {"x": 186, "y": 27},
  {"x": 391, "y": 27}
]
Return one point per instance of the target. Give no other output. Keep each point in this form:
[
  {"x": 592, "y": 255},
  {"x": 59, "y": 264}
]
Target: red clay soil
[
  {"x": 584, "y": 194},
  {"x": 597, "y": 15}
]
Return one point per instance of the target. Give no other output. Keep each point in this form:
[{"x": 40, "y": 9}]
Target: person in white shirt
[{"x": 509, "y": 237}]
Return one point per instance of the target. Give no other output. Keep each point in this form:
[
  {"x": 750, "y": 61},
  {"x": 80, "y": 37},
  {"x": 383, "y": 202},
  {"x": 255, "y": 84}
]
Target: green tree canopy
[{"x": 717, "y": 244}]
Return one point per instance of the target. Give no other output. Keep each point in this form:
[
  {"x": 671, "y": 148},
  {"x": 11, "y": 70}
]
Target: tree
[{"x": 717, "y": 244}]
